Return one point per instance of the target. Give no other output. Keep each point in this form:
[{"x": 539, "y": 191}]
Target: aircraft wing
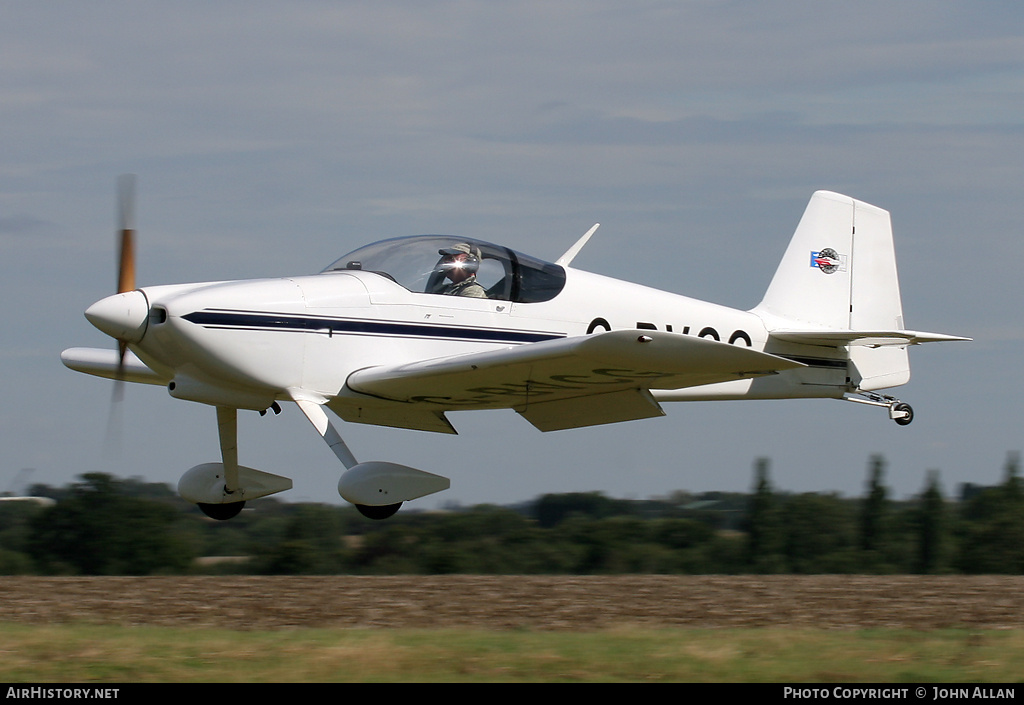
[
  {"x": 569, "y": 382},
  {"x": 875, "y": 338}
]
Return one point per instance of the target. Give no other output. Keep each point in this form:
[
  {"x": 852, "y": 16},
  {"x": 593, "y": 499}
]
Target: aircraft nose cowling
[{"x": 122, "y": 316}]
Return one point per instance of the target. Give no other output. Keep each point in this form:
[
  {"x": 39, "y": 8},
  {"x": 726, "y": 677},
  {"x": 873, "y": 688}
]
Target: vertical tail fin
[
  {"x": 839, "y": 271},
  {"x": 839, "y": 274}
]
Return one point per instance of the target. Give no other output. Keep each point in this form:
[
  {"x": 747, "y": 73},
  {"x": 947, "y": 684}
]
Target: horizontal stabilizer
[
  {"x": 869, "y": 338},
  {"x": 107, "y": 363}
]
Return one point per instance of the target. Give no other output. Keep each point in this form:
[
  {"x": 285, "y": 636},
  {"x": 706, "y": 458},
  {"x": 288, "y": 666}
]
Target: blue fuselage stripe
[{"x": 312, "y": 324}]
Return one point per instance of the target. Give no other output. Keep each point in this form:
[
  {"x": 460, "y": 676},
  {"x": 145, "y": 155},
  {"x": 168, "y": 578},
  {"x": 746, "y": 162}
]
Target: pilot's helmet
[{"x": 471, "y": 264}]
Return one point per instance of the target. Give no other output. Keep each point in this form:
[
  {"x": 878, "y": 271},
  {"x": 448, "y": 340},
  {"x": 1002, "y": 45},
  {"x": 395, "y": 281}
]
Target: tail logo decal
[{"x": 828, "y": 261}]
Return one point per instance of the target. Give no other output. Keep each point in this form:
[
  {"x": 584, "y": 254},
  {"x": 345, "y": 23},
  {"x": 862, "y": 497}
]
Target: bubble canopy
[{"x": 415, "y": 264}]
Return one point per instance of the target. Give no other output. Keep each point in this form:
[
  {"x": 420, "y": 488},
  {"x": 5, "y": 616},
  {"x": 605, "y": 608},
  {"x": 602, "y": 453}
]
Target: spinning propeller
[
  {"x": 124, "y": 315},
  {"x": 126, "y": 258}
]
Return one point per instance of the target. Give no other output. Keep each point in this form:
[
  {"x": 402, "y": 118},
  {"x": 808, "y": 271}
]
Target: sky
[{"x": 270, "y": 138}]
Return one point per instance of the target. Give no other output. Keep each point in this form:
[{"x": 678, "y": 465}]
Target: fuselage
[{"x": 247, "y": 343}]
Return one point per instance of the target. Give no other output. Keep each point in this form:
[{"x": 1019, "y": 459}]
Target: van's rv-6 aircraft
[{"x": 375, "y": 339}]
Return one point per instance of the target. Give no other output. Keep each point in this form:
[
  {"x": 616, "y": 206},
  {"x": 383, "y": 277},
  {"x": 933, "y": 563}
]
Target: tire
[{"x": 378, "y": 512}]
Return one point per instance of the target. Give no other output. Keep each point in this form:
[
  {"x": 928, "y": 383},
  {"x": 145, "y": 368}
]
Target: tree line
[{"x": 102, "y": 525}]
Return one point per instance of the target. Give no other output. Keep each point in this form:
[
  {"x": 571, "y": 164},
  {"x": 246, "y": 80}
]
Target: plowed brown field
[{"x": 521, "y": 602}]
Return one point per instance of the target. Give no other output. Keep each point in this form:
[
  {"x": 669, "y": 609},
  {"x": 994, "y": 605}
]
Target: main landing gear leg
[
  {"x": 227, "y": 430},
  {"x": 899, "y": 411},
  {"x": 377, "y": 488},
  {"x": 318, "y": 417},
  {"x": 221, "y": 489}
]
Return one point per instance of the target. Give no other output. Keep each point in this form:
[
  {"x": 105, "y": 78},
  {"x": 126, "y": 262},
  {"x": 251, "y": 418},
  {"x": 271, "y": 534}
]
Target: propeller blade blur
[
  {"x": 126, "y": 219},
  {"x": 126, "y": 263}
]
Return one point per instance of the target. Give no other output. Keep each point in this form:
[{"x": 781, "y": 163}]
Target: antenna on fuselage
[{"x": 571, "y": 253}]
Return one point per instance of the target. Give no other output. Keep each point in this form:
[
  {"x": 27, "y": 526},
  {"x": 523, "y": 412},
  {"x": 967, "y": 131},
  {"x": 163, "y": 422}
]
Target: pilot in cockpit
[{"x": 460, "y": 263}]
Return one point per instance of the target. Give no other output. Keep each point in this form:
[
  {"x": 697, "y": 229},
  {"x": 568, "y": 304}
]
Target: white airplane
[{"x": 381, "y": 336}]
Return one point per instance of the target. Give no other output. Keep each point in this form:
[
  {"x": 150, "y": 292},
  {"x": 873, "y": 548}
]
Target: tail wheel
[{"x": 906, "y": 414}]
